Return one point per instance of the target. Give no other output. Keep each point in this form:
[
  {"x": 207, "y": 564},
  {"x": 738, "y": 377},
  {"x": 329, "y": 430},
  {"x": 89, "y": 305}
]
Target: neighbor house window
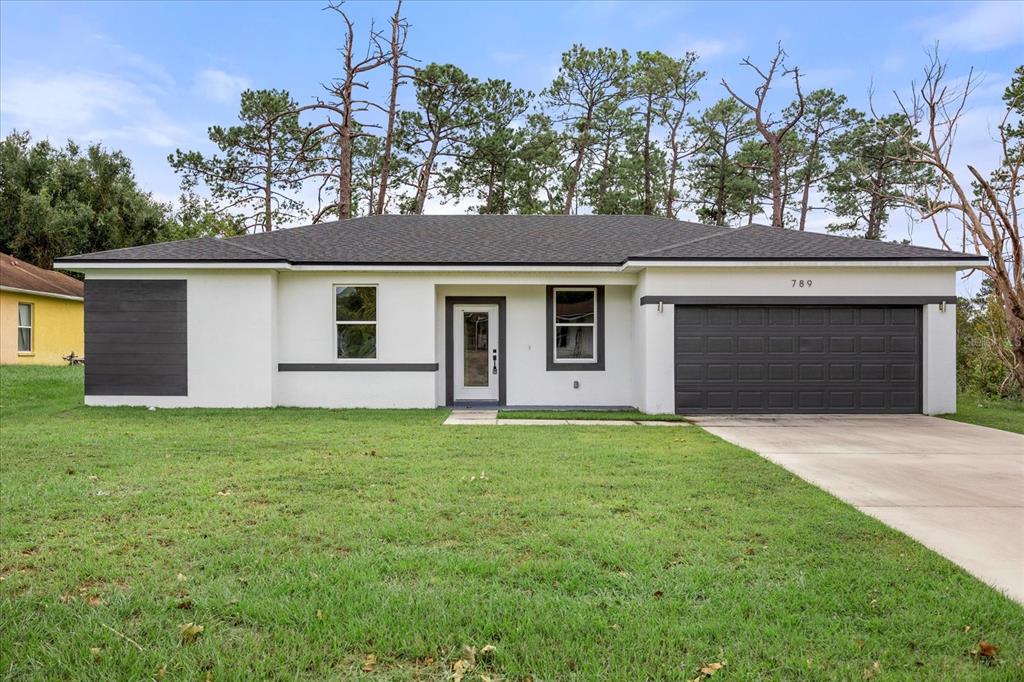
[
  {"x": 575, "y": 327},
  {"x": 355, "y": 317},
  {"x": 25, "y": 327}
]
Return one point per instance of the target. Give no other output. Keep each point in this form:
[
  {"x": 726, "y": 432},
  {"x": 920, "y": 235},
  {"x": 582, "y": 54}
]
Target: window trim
[
  {"x": 31, "y": 328},
  {"x": 374, "y": 322},
  {"x": 595, "y": 365}
]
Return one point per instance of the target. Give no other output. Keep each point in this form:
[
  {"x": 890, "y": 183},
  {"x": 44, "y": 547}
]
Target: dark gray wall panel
[
  {"x": 136, "y": 337},
  {"x": 797, "y": 358}
]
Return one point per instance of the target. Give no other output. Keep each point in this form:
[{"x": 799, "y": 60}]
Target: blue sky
[{"x": 150, "y": 77}]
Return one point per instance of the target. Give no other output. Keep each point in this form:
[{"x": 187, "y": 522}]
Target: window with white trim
[
  {"x": 575, "y": 325},
  {"x": 25, "y": 314},
  {"x": 355, "y": 321}
]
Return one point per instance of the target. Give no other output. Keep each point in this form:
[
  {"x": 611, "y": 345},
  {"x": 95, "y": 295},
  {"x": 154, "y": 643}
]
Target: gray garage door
[{"x": 813, "y": 359}]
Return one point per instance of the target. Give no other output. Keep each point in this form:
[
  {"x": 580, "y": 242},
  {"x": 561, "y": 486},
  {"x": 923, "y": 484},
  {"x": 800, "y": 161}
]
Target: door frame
[{"x": 449, "y": 344}]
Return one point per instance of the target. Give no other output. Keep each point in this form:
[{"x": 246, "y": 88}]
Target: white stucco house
[{"x": 601, "y": 311}]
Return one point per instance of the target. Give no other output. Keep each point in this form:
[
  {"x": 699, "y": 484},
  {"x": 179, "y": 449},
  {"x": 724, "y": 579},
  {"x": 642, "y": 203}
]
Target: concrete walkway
[
  {"x": 476, "y": 417},
  {"x": 956, "y": 488}
]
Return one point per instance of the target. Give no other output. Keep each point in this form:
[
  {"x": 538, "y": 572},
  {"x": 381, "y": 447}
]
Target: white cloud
[
  {"x": 220, "y": 86},
  {"x": 85, "y": 105},
  {"x": 119, "y": 58},
  {"x": 983, "y": 27},
  {"x": 706, "y": 48}
]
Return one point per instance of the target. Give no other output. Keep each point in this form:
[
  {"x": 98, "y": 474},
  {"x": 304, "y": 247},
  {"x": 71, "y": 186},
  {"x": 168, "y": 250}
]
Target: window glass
[
  {"x": 574, "y": 306},
  {"x": 357, "y": 341},
  {"x": 574, "y": 325},
  {"x": 355, "y": 310},
  {"x": 24, "y": 327},
  {"x": 356, "y": 304},
  {"x": 574, "y": 343}
]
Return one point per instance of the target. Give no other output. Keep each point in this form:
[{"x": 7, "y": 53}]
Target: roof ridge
[{"x": 721, "y": 232}]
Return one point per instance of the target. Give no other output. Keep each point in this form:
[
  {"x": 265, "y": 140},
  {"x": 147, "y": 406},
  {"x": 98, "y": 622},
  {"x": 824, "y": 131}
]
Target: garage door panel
[{"x": 798, "y": 359}]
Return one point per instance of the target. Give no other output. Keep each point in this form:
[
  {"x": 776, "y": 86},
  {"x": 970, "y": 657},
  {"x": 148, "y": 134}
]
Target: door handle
[{"x": 494, "y": 360}]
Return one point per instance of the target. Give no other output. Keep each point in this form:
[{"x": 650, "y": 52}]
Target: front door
[{"x": 475, "y": 337}]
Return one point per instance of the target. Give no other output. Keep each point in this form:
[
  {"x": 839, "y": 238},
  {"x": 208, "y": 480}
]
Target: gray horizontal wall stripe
[
  {"x": 357, "y": 367},
  {"x": 796, "y": 300}
]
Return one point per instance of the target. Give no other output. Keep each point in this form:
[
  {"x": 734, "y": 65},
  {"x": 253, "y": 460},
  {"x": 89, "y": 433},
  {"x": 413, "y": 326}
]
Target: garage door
[{"x": 812, "y": 359}]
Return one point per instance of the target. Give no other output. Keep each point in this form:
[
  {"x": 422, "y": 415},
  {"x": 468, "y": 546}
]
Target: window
[
  {"x": 355, "y": 318},
  {"x": 575, "y": 328},
  {"x": 24, "y": 327}
]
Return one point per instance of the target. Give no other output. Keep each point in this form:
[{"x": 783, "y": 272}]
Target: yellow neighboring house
[{"x": 41, "y": 314}]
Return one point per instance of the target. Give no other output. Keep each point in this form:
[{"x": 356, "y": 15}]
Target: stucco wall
[
  {"x": 306, "y": 334},
  {"x": 529, "y": 382},
  {"x": 230, "y": 339},
  {"x": 657, "y": 329},
  {"x": 57, "y": 329},
  {"x": 243, "y": 323}
]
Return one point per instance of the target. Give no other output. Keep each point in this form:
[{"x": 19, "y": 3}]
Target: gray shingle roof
[{"x": 516, "y": 240}]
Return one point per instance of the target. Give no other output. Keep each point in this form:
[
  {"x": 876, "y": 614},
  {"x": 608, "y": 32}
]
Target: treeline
[
  {"x": 613, "y": 133},
  {"x": 57, "y": 201}
]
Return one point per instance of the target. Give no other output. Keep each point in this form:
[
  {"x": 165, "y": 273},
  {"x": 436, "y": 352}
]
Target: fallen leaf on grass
[
  {"x": 160, "y": 672},
  {"x": 872, "y": 671},
  {"x": 487, "y": 651},
  {"x": 182, "y": 577},
  {"x": 459, "y": 669},
  {"x": 707, "y": 670},
  {"x": 712, "y": 668},
  {"x": 986, "y": 650},
  {"x": 370, "y": 663},
  {"x": 190, "y": 632},
  {"x": 967, "y": 628},
  {"x": 95, "y": 651},
  {"x": 224, "y": 493},
  {"x": 94, "y": 478},
  {"x": 94, "y": 600}
]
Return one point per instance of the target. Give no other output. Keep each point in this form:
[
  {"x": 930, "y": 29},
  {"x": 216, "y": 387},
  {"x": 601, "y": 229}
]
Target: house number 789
[{"x": 802, "y": 283}]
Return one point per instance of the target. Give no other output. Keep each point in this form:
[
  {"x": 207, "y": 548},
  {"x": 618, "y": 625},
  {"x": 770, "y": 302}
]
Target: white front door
[{"x": 475, "y": 354}]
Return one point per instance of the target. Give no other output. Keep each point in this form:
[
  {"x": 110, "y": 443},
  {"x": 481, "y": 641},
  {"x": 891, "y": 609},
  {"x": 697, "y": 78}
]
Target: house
[
  {"x": 40, "y": 314},
  {"x": 422, "y": 311}
]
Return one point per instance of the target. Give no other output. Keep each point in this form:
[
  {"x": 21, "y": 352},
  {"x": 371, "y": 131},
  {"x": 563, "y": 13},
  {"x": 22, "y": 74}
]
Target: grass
[
  {"x": 597, "y": 415},
  {"x": 305, "y": 540},
  {"x": 1007, "y": 415}
]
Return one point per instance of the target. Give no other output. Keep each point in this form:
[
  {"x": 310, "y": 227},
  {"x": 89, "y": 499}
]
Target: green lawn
[
  {"x": 1007, "y": 415},
  {"x": 599, "y": 415},
  {"x": 303, "y": 541}
]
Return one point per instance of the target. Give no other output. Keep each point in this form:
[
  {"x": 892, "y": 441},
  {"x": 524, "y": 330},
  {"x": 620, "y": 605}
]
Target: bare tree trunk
[
  {"x": 423, "y": 182},
  {"x": 385, "y": 162},
  {"x": 670, "y": 191},
  {"x": 577, "y": 166},
  {"x": 773, "y": 138},
  {"x": 268, "y": 184},
  {"x": 648, "y": 122}
]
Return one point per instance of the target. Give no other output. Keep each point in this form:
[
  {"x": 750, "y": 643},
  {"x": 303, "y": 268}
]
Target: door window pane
[
  {"x": 475, "y": 344},
  {"x": 357, "y": 341},
  {"x": 574, "y": 343}
]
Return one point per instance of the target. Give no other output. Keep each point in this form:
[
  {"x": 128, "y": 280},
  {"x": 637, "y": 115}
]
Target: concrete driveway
[{"x": 956, "y": 488}]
